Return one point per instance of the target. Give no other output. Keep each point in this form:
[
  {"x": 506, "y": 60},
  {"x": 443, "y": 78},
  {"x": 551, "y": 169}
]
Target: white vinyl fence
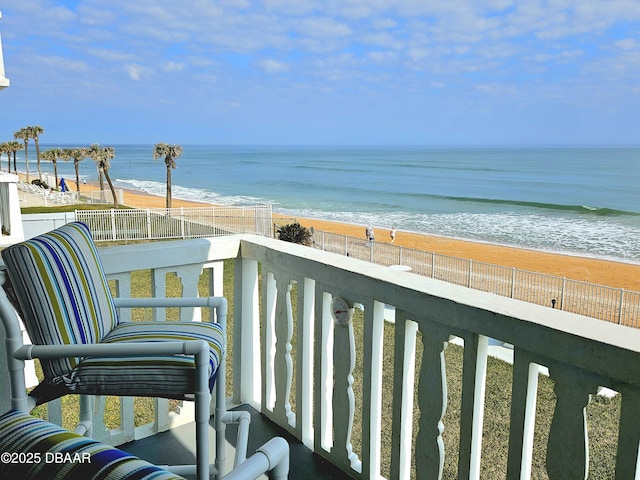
[
  {"x": 605, "y": 303},
  {"x": 166, "y": 223}
]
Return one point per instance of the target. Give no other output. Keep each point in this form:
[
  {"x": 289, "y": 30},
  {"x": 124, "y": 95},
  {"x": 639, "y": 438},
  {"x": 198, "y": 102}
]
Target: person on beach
[
  {"x": 392, "y": 234},
  {"x": 369, "y": 233},
  {"x": 63, "y": 185}
]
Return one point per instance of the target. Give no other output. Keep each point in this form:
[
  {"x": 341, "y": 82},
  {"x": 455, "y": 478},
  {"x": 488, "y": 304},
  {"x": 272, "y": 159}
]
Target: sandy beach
[{"x": 602, "y": 272}]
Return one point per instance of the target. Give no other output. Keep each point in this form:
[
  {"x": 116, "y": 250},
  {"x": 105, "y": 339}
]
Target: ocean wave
[
  {"x": 588, "y": 237},
  {"x": 523, "y": 203},
  {"x": 184, "y": 193}
]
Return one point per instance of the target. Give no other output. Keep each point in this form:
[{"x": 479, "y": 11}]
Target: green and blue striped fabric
[
  {"x": 62, "y": 291},
  {"x": 36, "y": 449},
  {"x": 158, "y": 376},
  {"x": 65, "y": 299}
]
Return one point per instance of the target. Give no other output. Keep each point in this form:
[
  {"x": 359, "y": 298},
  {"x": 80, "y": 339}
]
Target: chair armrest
[
  {"x": 187, "y": 347},
  {"x": 154, "y": 302},
  {"x": 219, "y": 303}
]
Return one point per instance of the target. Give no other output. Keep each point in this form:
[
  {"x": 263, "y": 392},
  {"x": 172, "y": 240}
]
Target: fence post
[
  {"x": 470, "y": 272},
  {"x": 433, "y": 265},
  {"x": 564, "y": 283},
  {"x": 149, "y": 223},
  {"x": 182, "y": 222},
  {"x": 371, "y": 244},
  {"x": 513, "y": 282},
  {"x": 620, "y": 308},
  {"x": 400, "y": 255},
  {"x": 113, "y": 224}
]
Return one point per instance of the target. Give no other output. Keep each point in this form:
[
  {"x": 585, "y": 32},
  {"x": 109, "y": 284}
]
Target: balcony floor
[{"x": 177, "y": 446}]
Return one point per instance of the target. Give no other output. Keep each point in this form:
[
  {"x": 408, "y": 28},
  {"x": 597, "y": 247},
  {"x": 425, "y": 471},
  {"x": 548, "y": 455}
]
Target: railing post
[
  {"x": 470, "y": 272},
  {"x": 562, "y": 293},
  {"x": 182, "y": 222},
  {"x": 513, "y": 282},
  {"x": 621, "y": 305},
  {"x": 433, "y": 265},
  {"x": 114, "y": 232},
  {"x": 149, "y": 223},
  {"x": 247, "y": 372},
  {"x": 400, "y": 252}
]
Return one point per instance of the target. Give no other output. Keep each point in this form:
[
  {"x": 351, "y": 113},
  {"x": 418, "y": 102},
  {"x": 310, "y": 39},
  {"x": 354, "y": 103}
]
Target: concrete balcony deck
[{"x": 176, "y": 447}]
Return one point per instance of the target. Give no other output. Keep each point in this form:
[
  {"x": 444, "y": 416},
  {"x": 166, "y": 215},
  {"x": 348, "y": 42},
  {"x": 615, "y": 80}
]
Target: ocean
[{"x": 575, "y": 200}]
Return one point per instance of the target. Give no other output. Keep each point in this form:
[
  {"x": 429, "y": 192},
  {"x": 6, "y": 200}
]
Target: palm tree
[
  {"x": 103, "y": 156},
  {"x": 34, "y": 131},
  {"x": 13, "y": 148},
  {"x": 4, "y": 149},
  {"x": 170, "y": 153},
  {"x": 52, "y": 155},
  {"x": 24, "y": 135},
  {"x": 78, "y": 154}
]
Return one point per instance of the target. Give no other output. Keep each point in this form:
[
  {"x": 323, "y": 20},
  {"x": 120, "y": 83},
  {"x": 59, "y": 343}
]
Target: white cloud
[
  {"x": 135, "y": 71},
  {"x": 382, "y": 57},
  {"x": 626, "y": 44},
  {"x": 384, "y": 23},
  {"x": 61, "y": 64},
  {"x": 173, "y": 66},
  {"x": 110, "y": 54},
  {"x": 472, "y": 46},
  {"x": 272, "y": 66},
  {"x": 323, "y": 27}
]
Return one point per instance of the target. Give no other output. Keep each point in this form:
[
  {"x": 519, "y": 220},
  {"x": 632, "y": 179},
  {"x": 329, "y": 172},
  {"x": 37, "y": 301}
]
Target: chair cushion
[
  {"x": 171, "y": 376},
  {"x": 62, "y": 290},
  {"x": 44, "y": 450}
]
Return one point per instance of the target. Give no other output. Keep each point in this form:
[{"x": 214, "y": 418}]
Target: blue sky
[{"x": 428, "y": 72}]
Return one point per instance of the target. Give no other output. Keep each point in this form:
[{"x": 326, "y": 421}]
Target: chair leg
[
  {"x": 85, "y": 425},
  {"x": 221, "y": 419},
  {"x": 202, "y": 401}
]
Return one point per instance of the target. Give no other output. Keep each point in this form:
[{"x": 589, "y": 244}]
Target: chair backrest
[{"x": 62, "y": 291}]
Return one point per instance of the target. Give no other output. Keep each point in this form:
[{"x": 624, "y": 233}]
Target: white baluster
[
  {"x": 283, "y": 364},
  {"x": 568, "y": 447},
  {"x": 344, "y": 358},
  {"x": 432, "y": 398}
]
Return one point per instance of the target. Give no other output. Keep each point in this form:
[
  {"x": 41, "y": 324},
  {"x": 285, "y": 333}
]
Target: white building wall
[
  {"x": 4, "y": 82},
  {"x": 10, "y": 216}
]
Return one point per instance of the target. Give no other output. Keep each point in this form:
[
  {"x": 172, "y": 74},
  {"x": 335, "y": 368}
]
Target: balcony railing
[{"x": 292, "y": 362}]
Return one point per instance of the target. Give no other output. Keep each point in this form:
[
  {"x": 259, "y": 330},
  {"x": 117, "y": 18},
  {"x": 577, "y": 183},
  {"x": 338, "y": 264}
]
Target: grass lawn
[
  {"x": 70, "y": 208},
  {"x": 602, "y": 413}
]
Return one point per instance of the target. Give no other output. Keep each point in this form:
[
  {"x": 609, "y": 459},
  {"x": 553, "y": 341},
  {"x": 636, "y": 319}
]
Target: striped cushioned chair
[
  {"x": 36, "y": 449},
  {"x": 68, "y": 310}
]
